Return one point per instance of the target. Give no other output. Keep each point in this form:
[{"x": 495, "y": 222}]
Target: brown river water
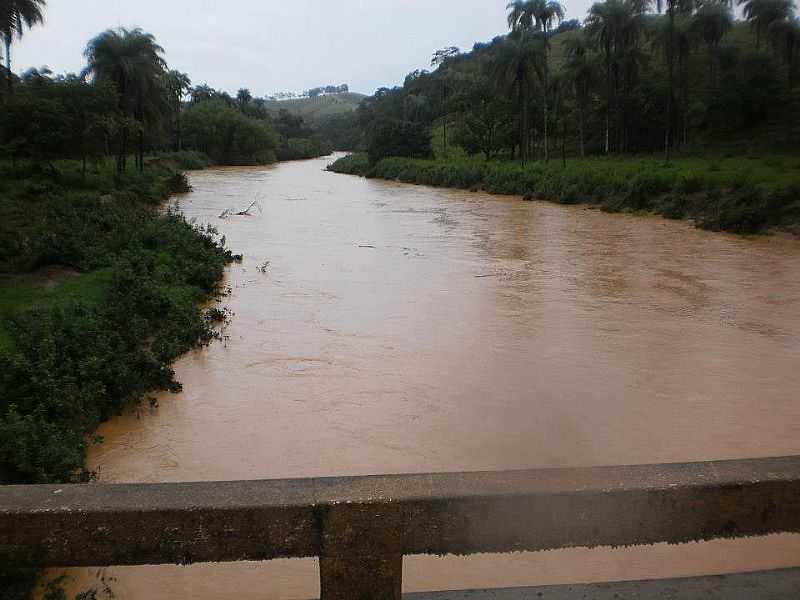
[{"x": 407, "y": 329}]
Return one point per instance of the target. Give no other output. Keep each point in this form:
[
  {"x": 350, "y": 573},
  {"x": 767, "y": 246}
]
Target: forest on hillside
[{"x": 633, "y": 77}]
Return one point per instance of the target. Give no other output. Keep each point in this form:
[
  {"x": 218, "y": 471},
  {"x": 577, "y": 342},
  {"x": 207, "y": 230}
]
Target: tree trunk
[
  {"x": 544, "y": 98},
  {"x": 523, "y": 121},
  {"x": 9, "y": 76},
  {"x": 179, "y": 132},
  {"x": 122, "y": 157},
  {"x": 444, "y": 121},
  {"x": 685, "y": 99},
  {"x": 670, "y": 78},
  {"x": 580, "y": 130},
  {"x": 608, "y": 98},
  {"x": 141, "y": 150}
]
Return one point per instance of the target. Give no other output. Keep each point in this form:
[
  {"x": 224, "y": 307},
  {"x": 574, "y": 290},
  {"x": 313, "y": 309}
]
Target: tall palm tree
[
  {"x": 15, "y": 15},
  {"x": 674, "y": 7},
  {"x": 761, "y": 13},
  {"x": 515, "y": 65},
  {"x": 539, "y": 16},
  {"x": 132, "y": 61},
  {"x": 519, "y": 17},
  {"x": 546, "y": 13},
  {"x": 177, "y": 85},
  {"x": 785, "y": 38},
  {"x": 710, "y": 23},
  {"x": 675, "y": 39},
  {"x": 243, "y": 98},
  {"x": 580, "y": 70},
  {"x": 440, "y": 60},
  {"x": 615, "y": 26}
]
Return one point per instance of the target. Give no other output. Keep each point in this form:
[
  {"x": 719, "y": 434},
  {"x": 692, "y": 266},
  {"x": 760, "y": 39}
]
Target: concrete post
[{"x": 362, "y": 552}]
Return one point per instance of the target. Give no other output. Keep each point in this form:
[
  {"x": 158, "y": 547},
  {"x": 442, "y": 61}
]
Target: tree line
[
  {"x": 128, "y": 102},
  {"x": 635, "y": 76}
]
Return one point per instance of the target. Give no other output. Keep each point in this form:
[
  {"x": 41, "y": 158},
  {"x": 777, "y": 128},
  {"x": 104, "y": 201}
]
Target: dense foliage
[
  {"x": 66, "y": 367},
  {"x": 627, "y": 80},
  {"x": 100, "y": 287},
  {"x": 126, "y": 101},
  {"x": 227, "y": 135},
  {"x": 398, "y": 138},
  {"x": 723, "y": 194}
]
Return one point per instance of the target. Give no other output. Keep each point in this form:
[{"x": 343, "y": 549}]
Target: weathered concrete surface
[
  {"x": 767, "y": 585},
  {"x": 459, "y": 513},
  {"x": 362, "y": 553}
]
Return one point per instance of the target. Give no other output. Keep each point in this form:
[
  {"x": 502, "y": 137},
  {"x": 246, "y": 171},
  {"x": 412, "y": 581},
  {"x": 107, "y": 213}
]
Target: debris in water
[
  {"x": 246, "y": 212},
  {"x": 242, "y": 213}
]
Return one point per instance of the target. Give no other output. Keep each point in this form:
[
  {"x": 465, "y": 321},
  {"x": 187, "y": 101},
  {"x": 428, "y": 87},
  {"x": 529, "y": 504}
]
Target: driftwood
[
  {"x": 246, "y": 212},
  {"x": 242, "y": 213}
]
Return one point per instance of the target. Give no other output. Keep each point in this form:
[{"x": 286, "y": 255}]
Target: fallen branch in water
[
  {"x": 242, "y": 213},
  {"x": 490, "y": 275},
  {"x": 366, "y": 246},
  {"x": 246, "y": 212}
]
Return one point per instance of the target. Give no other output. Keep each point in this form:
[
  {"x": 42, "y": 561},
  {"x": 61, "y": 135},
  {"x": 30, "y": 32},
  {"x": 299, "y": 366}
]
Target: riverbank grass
[
  {"x": 51, "y": 287},
  {"x": 732, "y": 193}
]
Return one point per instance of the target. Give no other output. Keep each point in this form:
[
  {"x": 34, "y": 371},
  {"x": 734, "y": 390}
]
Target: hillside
[{"x": 320, "y": 107}]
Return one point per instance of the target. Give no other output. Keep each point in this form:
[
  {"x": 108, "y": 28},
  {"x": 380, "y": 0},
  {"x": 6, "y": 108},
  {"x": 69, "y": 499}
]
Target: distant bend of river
[{"x": 409, "y": 329}]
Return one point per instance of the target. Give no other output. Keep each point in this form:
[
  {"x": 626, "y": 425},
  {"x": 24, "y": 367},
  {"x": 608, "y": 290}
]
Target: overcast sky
[{"x": 275, "y": 45}]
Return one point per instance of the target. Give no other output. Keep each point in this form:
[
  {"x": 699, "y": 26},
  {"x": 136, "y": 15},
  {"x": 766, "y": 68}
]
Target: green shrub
[
  {"x": 690, "y": 184},
  {"x": 188, "y": 160},
  {"x": 677, "y": 191}
]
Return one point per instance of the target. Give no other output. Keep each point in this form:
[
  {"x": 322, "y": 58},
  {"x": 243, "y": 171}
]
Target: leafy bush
[
  {"x": 398, "y": 138},
  {"x": 228, "y": 136},
  {"x": 302, "y": 148},
  {"x": 65, "y": 368},
  {"x": 188, "y": 160},
  {"x": 73, "y": 366},
  {"x": 352, "y": 164}
]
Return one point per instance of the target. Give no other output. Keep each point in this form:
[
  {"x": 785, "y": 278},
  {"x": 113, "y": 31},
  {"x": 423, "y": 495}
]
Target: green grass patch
[{"x": 47, "y": 289}]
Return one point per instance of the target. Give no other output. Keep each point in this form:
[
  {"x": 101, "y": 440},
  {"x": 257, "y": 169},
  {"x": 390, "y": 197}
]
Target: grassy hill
[{"x": 319, "y": 108}]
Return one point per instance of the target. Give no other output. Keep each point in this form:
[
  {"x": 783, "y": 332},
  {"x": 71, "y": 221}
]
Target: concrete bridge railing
[{"x": 361, "y": 527}]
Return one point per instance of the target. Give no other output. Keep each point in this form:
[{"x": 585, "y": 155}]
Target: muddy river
[{"x": 398, "y": 329}]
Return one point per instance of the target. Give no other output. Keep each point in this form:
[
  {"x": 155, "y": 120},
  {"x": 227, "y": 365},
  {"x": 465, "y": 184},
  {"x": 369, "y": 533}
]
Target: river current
[{"x": 388, "y": 328}]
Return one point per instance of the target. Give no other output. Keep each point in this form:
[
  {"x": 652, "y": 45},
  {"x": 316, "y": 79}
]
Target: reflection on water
[{"x": 407, "y": 329}]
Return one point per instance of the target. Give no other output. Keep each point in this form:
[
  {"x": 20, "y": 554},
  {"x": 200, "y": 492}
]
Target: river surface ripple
[{"x": 409, "y": 329}]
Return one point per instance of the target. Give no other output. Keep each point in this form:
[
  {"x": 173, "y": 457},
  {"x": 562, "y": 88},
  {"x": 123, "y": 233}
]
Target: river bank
[
  {"x": 739, "y": 195},
  {"x": 100, "y": 291}
]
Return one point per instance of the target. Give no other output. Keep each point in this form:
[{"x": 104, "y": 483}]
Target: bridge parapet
[{"x": 361, "y": 527}]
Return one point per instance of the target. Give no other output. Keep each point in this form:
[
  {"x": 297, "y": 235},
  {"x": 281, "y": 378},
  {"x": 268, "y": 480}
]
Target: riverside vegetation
[
  {"x": 86, "y": 162},
  {"x": 100, "y": 291},
  {"x": 741, "y": 195},
  {"x": 677, "y": 109},
  {"x": 101, "y": 286}
]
